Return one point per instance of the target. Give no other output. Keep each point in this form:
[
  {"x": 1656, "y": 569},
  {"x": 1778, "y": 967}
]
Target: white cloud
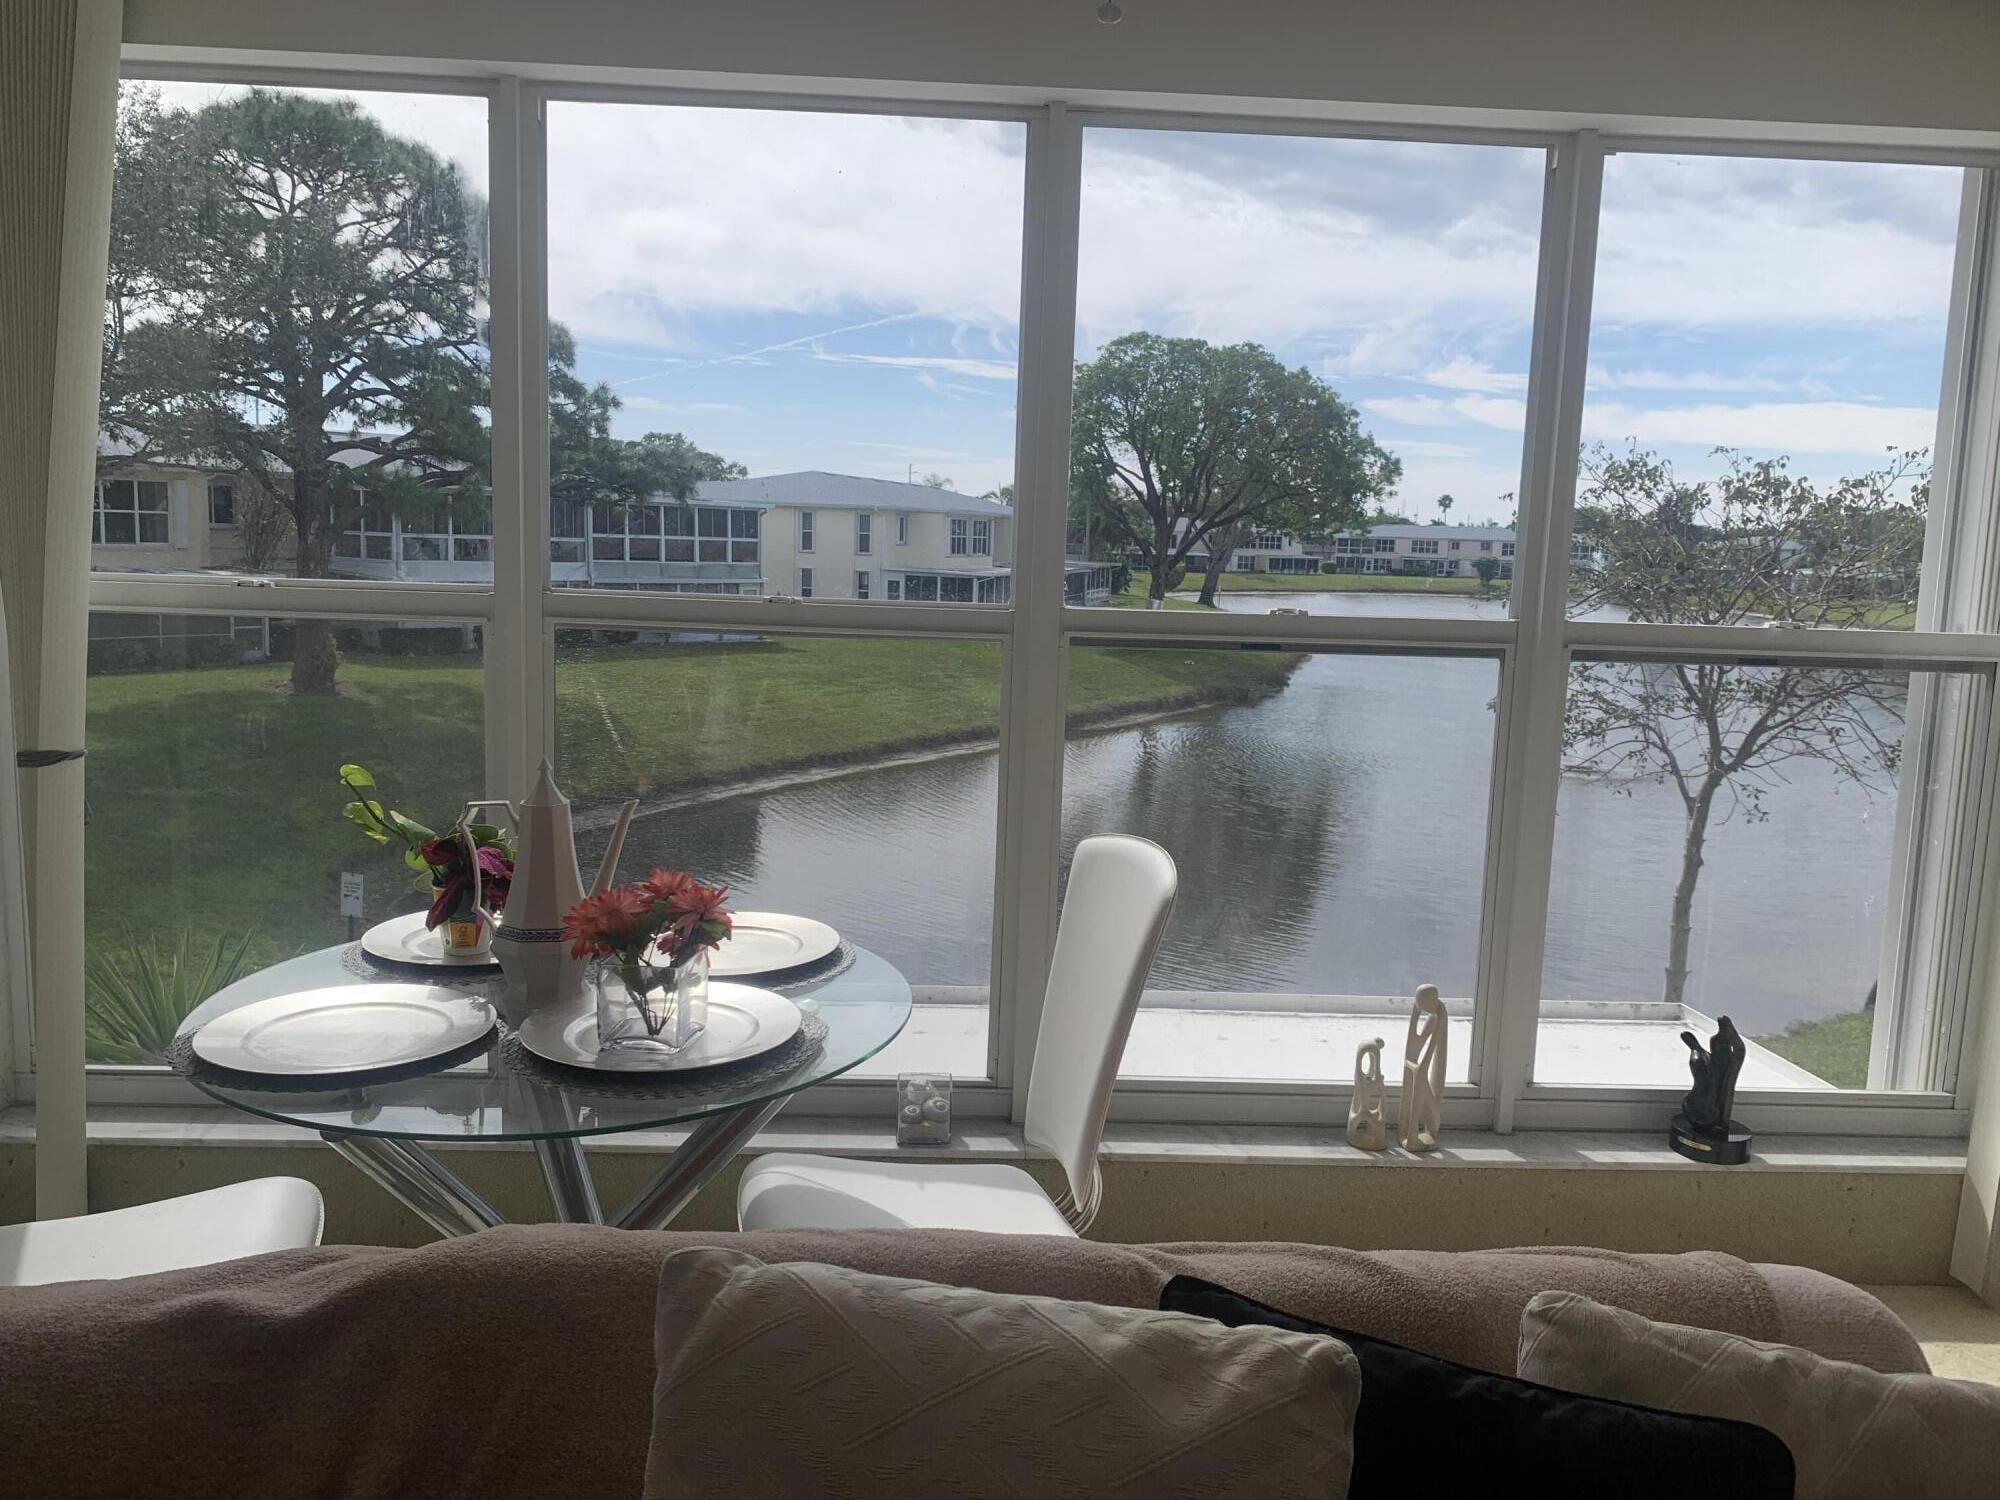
[
  {"x": 975, "y": 369},
  {"x": 1438, "y": 411},
  {"x": 1768, "y": 428},
  {"x": 1603, "y": 379},
  {"x": 679, "y": 408},
  {"x": 1462, "y": 374}
]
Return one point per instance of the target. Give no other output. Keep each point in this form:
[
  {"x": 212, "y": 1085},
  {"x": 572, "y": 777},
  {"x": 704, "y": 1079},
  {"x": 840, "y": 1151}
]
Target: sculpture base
[{"x": 1717, "y": 1146}]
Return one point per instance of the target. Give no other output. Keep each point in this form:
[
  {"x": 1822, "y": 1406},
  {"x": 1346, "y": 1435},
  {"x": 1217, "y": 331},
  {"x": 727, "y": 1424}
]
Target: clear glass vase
[{"x": 643, "y": 1007}]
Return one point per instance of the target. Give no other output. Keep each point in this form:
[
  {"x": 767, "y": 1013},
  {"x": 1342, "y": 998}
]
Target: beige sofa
[{"x": 519, "y": 1362}]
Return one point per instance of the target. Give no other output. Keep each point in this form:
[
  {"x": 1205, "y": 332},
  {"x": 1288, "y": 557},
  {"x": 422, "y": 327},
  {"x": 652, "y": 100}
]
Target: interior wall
[{"x": 1924, "y": 65}]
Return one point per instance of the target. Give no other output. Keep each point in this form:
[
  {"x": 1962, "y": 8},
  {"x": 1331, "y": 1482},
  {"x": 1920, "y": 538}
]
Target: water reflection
[{"x": 1330, "y": 840}]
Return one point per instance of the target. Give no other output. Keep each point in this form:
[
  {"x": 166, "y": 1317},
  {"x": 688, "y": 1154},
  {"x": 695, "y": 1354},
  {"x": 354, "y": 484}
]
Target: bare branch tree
[{"x": 1756, "y": 544}]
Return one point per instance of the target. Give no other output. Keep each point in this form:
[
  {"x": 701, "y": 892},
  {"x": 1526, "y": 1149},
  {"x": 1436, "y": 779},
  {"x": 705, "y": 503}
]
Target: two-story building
[
  {"x": 1422, "y": 551},
  {"x": 811, "y": 534}
]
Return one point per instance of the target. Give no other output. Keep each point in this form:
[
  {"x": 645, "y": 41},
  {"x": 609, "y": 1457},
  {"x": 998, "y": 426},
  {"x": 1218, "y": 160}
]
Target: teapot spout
[{"x": 608, "y": 870}]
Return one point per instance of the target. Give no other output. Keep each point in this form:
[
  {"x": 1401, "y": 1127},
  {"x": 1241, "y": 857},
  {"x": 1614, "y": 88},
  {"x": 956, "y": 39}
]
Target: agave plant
[{"x": 138, "y": 993}]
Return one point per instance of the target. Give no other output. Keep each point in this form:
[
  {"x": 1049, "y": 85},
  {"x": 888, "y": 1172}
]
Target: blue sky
[{"x": 841, "y": 292}]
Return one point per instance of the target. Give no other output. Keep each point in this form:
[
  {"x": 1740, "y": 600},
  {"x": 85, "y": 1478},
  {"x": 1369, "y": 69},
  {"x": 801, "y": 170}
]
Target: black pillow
[{"x": 1428, "y": 1426}]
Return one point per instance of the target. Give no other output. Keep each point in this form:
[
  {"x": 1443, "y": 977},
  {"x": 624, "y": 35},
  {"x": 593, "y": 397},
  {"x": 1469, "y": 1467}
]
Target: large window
[
  {"x": 222, "y": 192},
  {"x": 1440, "y": 638},
  {"x": 130, "y": 513},
  {"x": 1329, "y": 861},
  {"x": 216, "y": 843},
  {"x": 786, "y": 767}
]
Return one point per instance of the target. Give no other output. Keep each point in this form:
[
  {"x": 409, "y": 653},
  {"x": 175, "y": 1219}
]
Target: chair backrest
[{"x": 1121, "y": 891}]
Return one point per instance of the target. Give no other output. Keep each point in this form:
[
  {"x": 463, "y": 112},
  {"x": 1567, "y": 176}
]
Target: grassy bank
[
  {"x": 1835, "y": 1048},
  {"x": 1309, "y": 583},
  {"x": 214, "y": 804}
]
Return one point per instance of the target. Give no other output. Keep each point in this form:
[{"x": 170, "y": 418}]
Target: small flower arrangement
[
  {"x": 648, "y": 943},
  {"x": 439, "y": 859},
  {"x": 664, "y": 920}
]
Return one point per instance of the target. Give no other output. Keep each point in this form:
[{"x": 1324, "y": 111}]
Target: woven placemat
[{"x": 723, "y": 1084}]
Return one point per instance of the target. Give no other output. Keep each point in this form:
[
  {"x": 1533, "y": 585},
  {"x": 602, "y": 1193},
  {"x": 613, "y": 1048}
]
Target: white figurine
[
  {"x": 1366, "y": 1127},
  {"x": 1418, "y": 1119}
]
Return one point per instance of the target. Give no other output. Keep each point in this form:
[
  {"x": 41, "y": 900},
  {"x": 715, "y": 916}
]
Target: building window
[
  {"x": 1506, "y": 549},
  {"x": 895, "y": 587},
  {"x": 1455, "y": 546},
  {"x": 982, "y": 538},
  {"x": 1485, "y": 546},
  {"x": 1424, "y": 546},
  {"x": 222, "y": 505},
  {"x": 1267, "y": 541},
  {"x": 902, "y": 528},
  {"x": 805, "y": 531},
  {"x": 1385, "y": 544},
  {"x": 961, "y": 537},
  {"x": 745, "y": 536},
  {"x": 711, "y": 535},
  {"x": 861, "y": 585},
  {"x": 130, "y": 513},
  {"x": 805, "y": 583},
  {"x": 864, "y": 534}
]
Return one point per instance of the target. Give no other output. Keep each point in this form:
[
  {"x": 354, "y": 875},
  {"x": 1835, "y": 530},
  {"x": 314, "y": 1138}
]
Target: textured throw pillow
[
  {"x": 793, "y": 1380},
  {"x": 1853, "y": 1432},
  {"x": 1460, "y": 1431}
]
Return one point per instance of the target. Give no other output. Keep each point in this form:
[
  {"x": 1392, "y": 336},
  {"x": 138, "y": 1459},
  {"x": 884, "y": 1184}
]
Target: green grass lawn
[
  {"x": 1835, "y": 1049},
  {"x": 214, "y": 803}
]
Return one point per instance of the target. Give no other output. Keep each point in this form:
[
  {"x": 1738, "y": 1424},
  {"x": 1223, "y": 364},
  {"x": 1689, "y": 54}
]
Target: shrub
[{"x": 137, "y": 994}]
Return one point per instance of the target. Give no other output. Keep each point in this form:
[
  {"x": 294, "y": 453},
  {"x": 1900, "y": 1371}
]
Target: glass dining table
[{"x": 384, "y": 1123}]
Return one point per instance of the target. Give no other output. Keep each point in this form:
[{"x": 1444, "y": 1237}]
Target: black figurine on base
[{"x": 1703, "y": 1131}]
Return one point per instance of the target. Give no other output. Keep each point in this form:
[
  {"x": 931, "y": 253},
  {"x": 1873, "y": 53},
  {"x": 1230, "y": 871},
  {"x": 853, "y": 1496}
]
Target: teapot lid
[{"x": 545, "y": 792}]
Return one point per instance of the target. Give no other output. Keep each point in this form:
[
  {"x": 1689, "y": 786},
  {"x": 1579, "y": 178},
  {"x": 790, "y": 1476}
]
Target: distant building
[
  {"x": 811, "y": 535},
  {"x": 1422, "y": 551}
]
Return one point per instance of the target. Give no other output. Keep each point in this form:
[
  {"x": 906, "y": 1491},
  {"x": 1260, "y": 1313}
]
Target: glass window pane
[
  {"x": 1328, "y": 815},
  {"x": 847, "y": 780},
  {"x": 1767, "y": 343},
  {"x": 804, "y": 314},
  {"x": 192, "y": 223},
  {"x": 1747, "y": 840},
  {"x": 1352, "y": 320},
  {"x": 215, "y": 800}
]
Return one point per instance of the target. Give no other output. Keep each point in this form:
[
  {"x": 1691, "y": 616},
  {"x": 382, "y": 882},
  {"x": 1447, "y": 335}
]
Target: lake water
[{"x": 1330, "y": 842}]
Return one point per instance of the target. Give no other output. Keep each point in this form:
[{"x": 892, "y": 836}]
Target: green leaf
[{"x": 357, "y": 777}]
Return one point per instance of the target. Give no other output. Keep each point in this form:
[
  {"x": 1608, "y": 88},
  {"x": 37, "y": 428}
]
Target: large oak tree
[
  {"x": 1180, "y": 446},
  {"x": 298, "y": 295}
]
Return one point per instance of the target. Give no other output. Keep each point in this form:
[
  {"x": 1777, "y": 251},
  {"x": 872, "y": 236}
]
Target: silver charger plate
[
  {"x": 743, "y": 1021},
  {"x": 404, "y": 940},
  {"x": 769, "y": 942},
  {"x": 351, "y": 1028}
]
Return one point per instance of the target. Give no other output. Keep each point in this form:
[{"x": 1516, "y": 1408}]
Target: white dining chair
[
  {"x": 198, "y": 1229},
  {"x": 1121, "y": 891}
]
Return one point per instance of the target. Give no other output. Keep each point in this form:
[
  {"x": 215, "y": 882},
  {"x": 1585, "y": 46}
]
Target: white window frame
[
  {"x": 100, "y": 510},
  {"x": 805, "y": 582},
  {"x": 861, "y": 583},
  {"x": 519, "y": 611},
  {"x": 864, "y": 534},
  {"x": 902, "y": 528},
  {"x": 982, "y": 538},
  {"x": 960, "y": 543},
  {"x": 228, "y": 488}
]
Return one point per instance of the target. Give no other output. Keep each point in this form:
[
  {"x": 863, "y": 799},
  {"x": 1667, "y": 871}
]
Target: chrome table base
[{"x": 438, "y": 1196}]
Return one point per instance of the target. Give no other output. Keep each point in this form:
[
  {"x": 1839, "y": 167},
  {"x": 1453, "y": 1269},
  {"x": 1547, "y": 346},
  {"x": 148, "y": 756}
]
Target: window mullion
[
  {"x": 1033, "y": 693},
  {"x": 518, "y": 707},
  {"x": 1530, "y": 752}
]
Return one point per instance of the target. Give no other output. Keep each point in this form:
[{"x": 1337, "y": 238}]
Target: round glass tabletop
[{"x": 504, "y": 1093}]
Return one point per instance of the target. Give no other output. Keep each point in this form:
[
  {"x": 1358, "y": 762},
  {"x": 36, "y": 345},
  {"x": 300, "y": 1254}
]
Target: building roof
[{"x": 815, "y": 489}]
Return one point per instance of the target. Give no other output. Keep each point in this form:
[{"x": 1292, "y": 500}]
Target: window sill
[{"x": 1221, "y": 1145}]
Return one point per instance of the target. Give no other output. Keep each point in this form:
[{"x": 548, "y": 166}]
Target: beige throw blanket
[{"x": 519, "y": 1362}]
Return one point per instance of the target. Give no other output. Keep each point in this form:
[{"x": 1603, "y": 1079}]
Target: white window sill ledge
[{"x": 1221, "y": 1145}]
